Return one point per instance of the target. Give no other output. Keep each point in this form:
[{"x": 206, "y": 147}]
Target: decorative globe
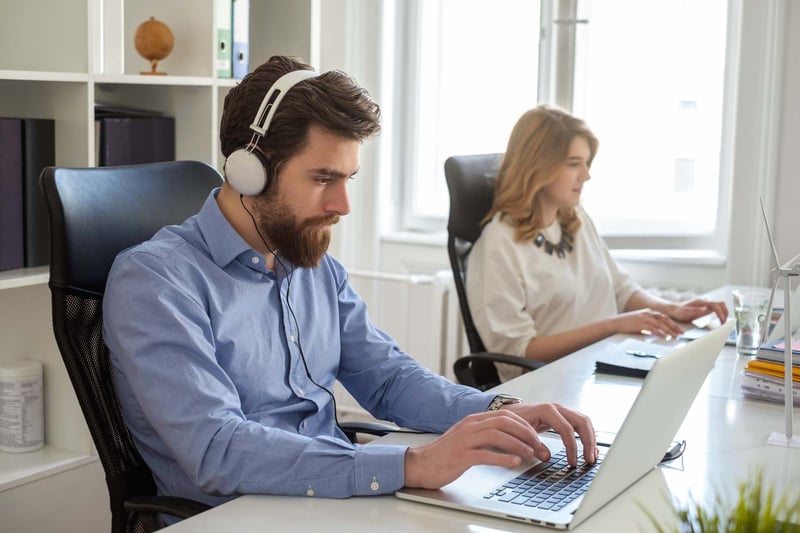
[{"x": 153, "y": 40}]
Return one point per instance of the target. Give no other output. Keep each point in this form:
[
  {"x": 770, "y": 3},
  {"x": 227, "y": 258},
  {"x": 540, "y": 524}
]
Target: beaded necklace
[{"x": 562, "y": 248}]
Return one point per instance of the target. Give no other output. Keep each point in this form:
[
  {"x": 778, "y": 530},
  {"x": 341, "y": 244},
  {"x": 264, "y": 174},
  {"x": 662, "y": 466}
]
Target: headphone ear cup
[{"x": 247, "y": 171}]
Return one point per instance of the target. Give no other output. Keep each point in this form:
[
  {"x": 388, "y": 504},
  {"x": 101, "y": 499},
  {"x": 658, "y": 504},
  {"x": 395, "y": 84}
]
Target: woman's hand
[
  {"x": 646, "y": 322},
  {"x": 688, "y": 311}
]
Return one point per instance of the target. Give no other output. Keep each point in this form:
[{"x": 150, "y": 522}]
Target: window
[
  {"x": 653, "y": 93},
  {"x": 471, "y": 69},
  {"x": 648, "y": 77}
]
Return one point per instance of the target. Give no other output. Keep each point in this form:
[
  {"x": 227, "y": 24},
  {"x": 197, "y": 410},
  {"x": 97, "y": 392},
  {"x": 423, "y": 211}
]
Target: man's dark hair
[{"x": 332, "y": 101}]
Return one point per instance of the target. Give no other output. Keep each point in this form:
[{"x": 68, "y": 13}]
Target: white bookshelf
[{"x": 80, "y": 52}]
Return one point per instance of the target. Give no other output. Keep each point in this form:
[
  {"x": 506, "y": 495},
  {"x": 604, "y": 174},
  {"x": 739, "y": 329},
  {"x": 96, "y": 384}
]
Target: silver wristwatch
[{"x": 501, "y": 400}]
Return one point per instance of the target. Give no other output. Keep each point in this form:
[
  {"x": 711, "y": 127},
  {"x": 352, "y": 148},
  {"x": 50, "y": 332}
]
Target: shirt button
[
  {"x": 374, "y": 485},
  {"x": 309, "y": 491},
  {"x": 255, "y": 260},
  {"x": 299, "y": 390},
  {"x": 291, "y": 338}
]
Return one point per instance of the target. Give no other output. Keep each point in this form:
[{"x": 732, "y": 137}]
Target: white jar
[{"x": 21, "y": 406}]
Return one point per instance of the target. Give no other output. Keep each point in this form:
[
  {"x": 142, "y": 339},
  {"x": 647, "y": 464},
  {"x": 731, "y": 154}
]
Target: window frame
[
  {"x": 556, "y": 78},
  {"x": 405, "y": 103}
]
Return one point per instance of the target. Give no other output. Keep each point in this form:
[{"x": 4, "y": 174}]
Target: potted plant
[{"x": 755, "y": 510}]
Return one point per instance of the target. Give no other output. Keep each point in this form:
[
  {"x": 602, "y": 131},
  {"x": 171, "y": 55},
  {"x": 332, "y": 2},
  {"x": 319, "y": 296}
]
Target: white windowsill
[
  {"x": 438, "y": 238},
  {"x": 688, "y": 257},
  {"x": 708, "y": 258}
]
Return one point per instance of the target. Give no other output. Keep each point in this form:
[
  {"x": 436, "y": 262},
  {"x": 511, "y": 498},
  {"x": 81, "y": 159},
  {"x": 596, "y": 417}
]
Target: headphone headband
[
  {"x": 273, "y": 98},
  {"x": 246, "y": 169}
]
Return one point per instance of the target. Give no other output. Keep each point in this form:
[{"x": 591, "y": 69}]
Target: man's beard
[{"x": 301, "y": 243}]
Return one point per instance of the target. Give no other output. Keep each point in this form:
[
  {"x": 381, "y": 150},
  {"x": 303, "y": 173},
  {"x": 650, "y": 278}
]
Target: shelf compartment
[
  {"x": 190, "y": 105},
  {"x": 66, "y": 103}
]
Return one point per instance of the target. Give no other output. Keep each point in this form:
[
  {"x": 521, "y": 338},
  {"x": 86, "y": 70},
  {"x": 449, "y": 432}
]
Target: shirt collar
[{"x": 224, "y": 243}]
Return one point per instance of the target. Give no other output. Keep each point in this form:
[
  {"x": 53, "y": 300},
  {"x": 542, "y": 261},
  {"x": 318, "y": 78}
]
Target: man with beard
[{"x": 228, "y": 331}]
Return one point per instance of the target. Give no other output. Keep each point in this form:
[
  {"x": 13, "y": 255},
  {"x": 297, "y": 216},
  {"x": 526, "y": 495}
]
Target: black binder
[
  {"x": 620, "y": 359},
  {"x": 38, "y": 149},
  {"x": 12, "y": 248}
]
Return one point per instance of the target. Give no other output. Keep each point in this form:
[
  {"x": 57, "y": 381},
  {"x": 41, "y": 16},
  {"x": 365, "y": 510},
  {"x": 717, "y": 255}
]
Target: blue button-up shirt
[{"x": 208, "y": 348}]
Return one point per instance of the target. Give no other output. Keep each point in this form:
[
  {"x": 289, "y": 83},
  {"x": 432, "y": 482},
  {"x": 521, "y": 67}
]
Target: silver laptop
[{"x": 639, "y": 446}]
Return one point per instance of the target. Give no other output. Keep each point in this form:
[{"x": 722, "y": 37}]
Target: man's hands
[{"x": 501, "y": 438}]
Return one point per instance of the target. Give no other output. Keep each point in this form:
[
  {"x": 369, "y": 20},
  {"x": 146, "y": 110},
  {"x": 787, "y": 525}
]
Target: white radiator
[{"x": 420, "y": 311}]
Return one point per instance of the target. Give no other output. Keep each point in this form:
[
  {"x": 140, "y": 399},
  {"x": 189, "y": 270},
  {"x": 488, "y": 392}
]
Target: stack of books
[{"x": 764, "y": 379}]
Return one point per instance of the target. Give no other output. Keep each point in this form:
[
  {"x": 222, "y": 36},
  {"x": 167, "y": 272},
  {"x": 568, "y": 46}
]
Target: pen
[{"x": 639, "y": 353}]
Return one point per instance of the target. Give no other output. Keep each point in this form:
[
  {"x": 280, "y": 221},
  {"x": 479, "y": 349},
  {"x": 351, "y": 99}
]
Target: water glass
[{"x": 750, "y": 310}]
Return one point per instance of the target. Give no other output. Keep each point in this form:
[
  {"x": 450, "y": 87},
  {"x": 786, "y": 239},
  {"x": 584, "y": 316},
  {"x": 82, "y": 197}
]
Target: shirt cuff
[{"x": 380, "y": 469}]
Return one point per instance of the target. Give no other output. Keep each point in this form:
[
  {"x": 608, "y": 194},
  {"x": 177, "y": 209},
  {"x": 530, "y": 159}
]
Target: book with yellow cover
[{"x": 771, "y": 369}]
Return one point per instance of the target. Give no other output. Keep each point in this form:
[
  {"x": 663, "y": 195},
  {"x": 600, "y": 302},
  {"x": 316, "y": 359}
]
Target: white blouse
[{"x": 517, "y": 291}]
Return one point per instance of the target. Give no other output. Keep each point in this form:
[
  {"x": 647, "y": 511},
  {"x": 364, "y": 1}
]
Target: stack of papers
[
  {"x": 630, "y": 357},
  {"x": 775, "y": 351},
  {"x": 764, "y": 380}
]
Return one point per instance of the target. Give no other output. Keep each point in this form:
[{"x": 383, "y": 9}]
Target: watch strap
[{"x": 500, "y": 400}]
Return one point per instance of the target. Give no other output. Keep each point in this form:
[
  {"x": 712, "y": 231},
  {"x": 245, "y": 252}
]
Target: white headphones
[{"x": 246, "y": 169}]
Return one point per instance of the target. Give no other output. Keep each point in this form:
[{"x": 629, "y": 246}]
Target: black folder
[
  {"x": 39, "y": 151},
  {"x": 619, "y": 359},
  {"x": 12, "y": 248},
  {"x": 27, "y": 146}
]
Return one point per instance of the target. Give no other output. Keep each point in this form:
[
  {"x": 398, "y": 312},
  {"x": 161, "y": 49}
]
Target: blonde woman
[{"x": 541, "y": 283}]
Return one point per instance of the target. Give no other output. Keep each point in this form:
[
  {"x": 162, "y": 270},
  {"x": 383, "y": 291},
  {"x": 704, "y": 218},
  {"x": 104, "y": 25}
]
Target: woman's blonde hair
[{"x": 538, "y": 146}]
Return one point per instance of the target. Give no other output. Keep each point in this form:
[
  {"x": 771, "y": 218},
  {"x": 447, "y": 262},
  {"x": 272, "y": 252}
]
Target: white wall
[
  {"x": 787, "y": 224},
  {"x": 350, "y": 41}
]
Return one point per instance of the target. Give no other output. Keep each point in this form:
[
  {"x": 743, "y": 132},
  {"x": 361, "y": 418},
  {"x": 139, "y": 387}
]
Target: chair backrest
[
  {"x": 470, "y": 181},
  {"x": 95, "y": 213}
]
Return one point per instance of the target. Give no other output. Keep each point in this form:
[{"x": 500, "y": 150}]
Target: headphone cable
[{"x": 289, "y": 276}]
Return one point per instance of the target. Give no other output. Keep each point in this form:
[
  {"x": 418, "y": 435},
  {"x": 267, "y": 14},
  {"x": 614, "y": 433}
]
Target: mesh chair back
[{"x": 95, "y": 213}]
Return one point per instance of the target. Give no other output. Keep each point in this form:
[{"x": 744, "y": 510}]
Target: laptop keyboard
[{"x": 549, "y": 485}]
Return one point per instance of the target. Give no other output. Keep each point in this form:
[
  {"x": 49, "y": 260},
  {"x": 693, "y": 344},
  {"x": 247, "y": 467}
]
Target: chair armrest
[
  {"x": 478, "y": 369},
  {"x": 492, "y": 357},
  {"x": 171, "y": 505},
  {"x": 379, "y": 429}
]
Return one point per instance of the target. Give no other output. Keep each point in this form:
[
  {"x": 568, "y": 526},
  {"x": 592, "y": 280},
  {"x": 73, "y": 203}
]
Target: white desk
[{"x": 726, "y": 442}]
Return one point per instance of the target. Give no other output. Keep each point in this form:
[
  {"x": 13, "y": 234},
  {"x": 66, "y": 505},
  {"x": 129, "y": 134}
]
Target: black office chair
[
  {"x": 470, "y": 181},
  {"x": 94, "y": 214}
]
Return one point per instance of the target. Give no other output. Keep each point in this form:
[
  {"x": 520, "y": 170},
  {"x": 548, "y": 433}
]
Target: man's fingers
[
  {"x": 552, "y": 416},
  {"x": 570, "y": 422},
  {"x": 505, "y": 430},
  {"x": 501, "y": 440},
  {"x": 493, "y": 457}
]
